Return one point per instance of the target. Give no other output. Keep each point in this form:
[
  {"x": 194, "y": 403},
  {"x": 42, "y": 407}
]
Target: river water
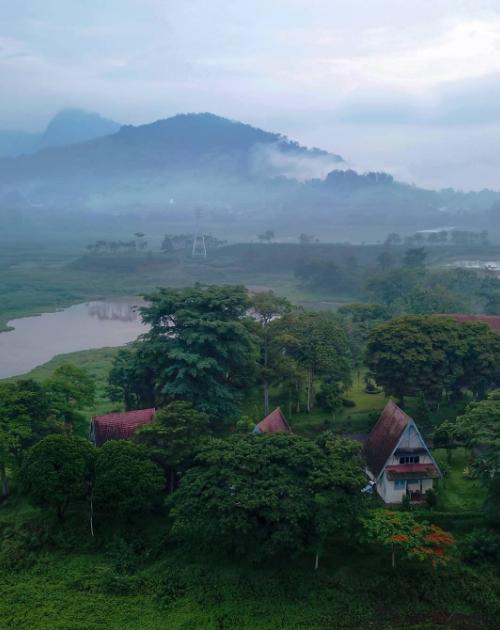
[{"x": 36, "y": 340}]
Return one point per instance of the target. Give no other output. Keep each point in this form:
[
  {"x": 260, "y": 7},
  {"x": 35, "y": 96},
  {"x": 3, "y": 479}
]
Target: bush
[
  {"x": 346, "y": 402},
  {"x": 431, "y": 498},
  {"x": 481, "y": 545}
]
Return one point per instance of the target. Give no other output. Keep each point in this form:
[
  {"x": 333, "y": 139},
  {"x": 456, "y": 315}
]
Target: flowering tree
[{"x": 400, "y": 531}]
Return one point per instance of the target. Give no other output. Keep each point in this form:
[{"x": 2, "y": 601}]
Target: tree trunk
[
  {"x": 172, "y": 480},
  {"x": 92, "y": 513},
  {"x": 309, "y": 389},
  {"x": 393, "y": 557},
  {"x": 266, "y": 398},
  {"x": 4, "y": 481},
  {"x": 266, "y": 382},
  {"x": 316, "y": 561}
]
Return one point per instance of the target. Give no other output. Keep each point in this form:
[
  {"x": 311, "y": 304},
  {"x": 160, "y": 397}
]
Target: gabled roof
[
  {"x": 385, "y": 436},
  {"x": 121, "y": 425},
  {"x": 492, "y": 321},
  {"x": 275, "y": 422}
]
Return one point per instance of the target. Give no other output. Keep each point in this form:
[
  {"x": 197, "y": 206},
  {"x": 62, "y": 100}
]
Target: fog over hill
[{"x": 229, "y": 168}]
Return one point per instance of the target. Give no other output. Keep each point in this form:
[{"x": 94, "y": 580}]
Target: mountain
[
  {"x": 186, "y": 145},
  {"x": 233, "y": 170},
  {"x": 69, "y": 126}
]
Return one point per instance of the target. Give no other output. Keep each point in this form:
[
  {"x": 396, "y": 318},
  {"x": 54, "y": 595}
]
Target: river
[{"x": 35, "y": 340}]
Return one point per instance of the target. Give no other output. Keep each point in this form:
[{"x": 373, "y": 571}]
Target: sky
[{"x": 409, "y": 87}]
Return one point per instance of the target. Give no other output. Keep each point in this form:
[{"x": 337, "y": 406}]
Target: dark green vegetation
[{"x": 197, "y": 523}]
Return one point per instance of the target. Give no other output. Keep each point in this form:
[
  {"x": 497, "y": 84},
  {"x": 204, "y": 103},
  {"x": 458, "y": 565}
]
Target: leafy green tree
[
  {"x": 318, "y": 342},
  {"x": 200, "y": 348},
  {"x": 267, "y": 306},
  {"x": 174, "y": 437},
  {"x": 24, "y": 420},
  {"x": 59, "y": 471},
  {"x": 258, "y": 496},
  {"x": 127, "y": 482},
  {"x": 415, "y": 355},
  {"x": 479, "y": 428},
  {"x": 69, "y": 389},
  {"x": 133, "y": 376},
  {"x": 338, "y": 501}
]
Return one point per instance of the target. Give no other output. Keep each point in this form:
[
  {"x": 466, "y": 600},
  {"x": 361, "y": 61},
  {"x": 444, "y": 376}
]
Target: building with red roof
[
  {"x": 492, "y": 321},
  {"x": 275, "y": 422},
  {"x": 398, "y": 459},
  {"x": 119, "y": 426}
]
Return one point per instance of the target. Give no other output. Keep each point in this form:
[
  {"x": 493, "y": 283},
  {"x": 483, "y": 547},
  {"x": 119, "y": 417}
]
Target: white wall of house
[{"x": 393, "y": 492}]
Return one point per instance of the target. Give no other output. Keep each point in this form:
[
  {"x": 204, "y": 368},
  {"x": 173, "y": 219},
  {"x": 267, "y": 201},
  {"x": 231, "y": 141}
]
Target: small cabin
[
  {"x": 275, "y": 422},
  {"x": 119, "y": 426},
  {"x": 398, "y": 459}
]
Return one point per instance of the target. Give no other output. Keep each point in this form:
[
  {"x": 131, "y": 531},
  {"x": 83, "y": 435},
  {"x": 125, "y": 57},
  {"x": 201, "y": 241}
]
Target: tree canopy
[
  {"x": 259, "y": 496},
  {"x": 200, "y": 348},
  {"x": 430, "y": 356}
]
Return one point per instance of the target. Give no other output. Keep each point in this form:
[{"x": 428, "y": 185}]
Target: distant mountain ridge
[
  {"x": 229, "y": 168},
  {"x": 69, "y": 126},
  {"x": 187, "y": 143}
]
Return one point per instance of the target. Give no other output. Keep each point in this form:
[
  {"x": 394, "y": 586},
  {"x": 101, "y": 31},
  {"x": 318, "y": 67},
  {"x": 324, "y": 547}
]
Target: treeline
[
  {"x": 404, "y": 284},
  {"x": 213, "y": 486}
]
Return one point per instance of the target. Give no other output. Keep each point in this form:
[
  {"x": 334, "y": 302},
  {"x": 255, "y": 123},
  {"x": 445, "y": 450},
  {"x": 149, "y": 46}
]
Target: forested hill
[
  {"x": 191, "y": 143},
  {"x": 231, "y": 169}
]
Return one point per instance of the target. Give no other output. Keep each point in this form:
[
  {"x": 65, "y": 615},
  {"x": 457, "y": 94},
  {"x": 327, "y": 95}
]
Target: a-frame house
[{"x": 398, "y": 459}]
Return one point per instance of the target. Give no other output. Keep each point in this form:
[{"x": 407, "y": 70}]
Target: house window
[
  {"x": 400, "y": 484},
  {"x": 409, "y": 459}
]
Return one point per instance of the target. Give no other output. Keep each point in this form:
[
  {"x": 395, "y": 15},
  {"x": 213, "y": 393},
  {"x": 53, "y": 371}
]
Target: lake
[{"x": 35, "y": 340}]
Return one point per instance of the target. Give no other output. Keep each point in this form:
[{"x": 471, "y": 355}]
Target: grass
[{"x": 457, "y": 493}]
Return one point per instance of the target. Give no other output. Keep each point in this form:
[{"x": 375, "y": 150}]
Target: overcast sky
[{"x": 407, "y": 86}]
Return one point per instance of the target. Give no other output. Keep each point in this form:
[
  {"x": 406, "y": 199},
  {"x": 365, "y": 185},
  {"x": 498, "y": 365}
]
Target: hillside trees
[
  {"x": 317, "y": 342},
  {"x": 432, "y": 356}
]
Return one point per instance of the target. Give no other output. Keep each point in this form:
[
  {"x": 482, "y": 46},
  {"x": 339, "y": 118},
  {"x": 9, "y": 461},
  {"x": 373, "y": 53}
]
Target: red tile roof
[
  {"x": 420, "y": 471},
  {"x": 492, "y": 321},
  {"x": 275, "y": 422},
  {"x": 384, "y": 436},
  {"x": 121, "y": 425}
]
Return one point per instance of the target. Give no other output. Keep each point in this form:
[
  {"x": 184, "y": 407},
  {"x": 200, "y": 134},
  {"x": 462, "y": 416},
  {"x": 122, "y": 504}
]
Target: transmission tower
[{"x": 199, "y": 247}]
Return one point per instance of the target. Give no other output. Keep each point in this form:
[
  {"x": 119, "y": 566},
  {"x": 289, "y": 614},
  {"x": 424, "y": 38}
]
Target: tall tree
[
  {"x": 200, "y": 348},
  {"x": 59, "y": 471},
  {"x": 69, "y": 389},
  {"x": 319, "y": 344},
  {"x": 267, "y": 306},
  {"x": 24, "y": 420},
  {"x": 174, "y": 437}
]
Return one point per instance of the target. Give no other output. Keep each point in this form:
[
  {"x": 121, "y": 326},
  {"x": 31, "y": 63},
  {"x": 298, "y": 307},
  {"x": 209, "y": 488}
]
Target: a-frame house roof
[
  {"x": 275, "y": 422},
  {"x": 385, "y": 436}
]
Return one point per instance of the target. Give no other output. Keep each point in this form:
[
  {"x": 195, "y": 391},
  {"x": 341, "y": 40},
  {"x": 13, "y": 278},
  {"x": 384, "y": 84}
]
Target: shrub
[
  {"x": 479, "y": 546},
  {"x": 346, "y": 402}
]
